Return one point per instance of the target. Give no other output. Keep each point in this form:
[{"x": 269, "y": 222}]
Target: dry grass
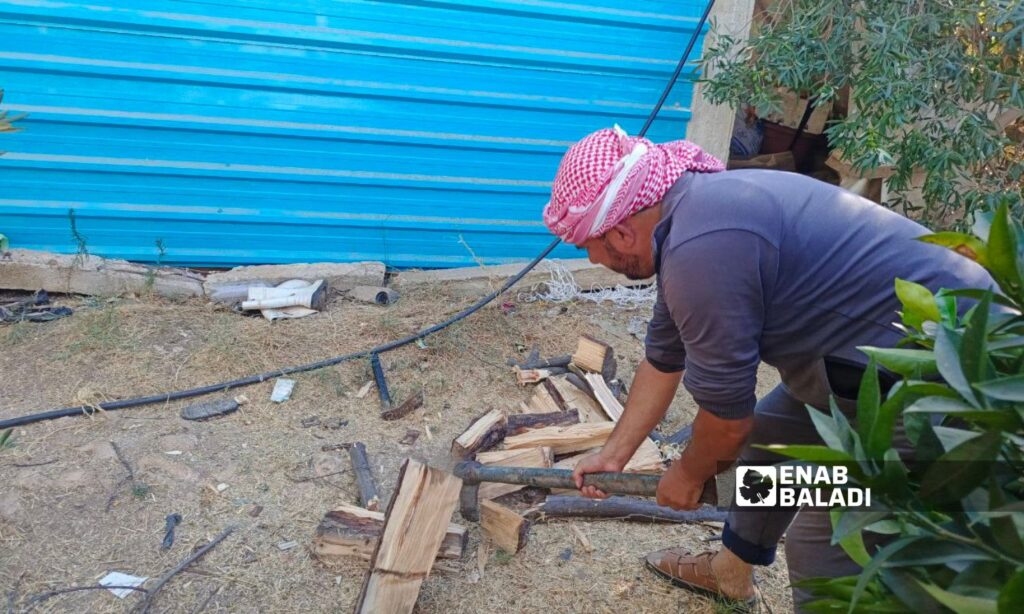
[{"x": 55, "y": 532}]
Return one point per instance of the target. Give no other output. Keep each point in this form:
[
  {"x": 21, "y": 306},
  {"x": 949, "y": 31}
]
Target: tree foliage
[
  {"x": 954, "y": 515},
  {"x": 928, "y": 82}
]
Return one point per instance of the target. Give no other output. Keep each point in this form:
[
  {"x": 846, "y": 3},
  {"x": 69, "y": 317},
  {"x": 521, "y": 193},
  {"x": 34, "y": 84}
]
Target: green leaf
[
  {"x": 947, "y": 358},
  {"x": 1002, "y": 252},
  {"x": 977, "y": 295},
  {"x": 908, "y": 363},
  {"x": 963, "y": 244},
  {"x": 811, "y": 453},
  {"x": 935, "y": 551},
  {"x": 1012, "y": 595},
  {"x": 973, "y": 355},
  {"x": 852, "y": 541},
  {"x": 957, "y": 472},
  {"x": 917, "y": 300},
  {"x": 827, "y": 429},
  {"x": 867, "y": 409},
  {"x": 876, "y": 564},
  {"x": 1005, "y": 389},
  {"x": 956, "y": 407},
  {"x": 961, "y": 604}
]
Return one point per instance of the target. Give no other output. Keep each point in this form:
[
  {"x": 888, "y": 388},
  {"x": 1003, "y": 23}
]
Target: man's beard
[{"x": 627, "y": 265}]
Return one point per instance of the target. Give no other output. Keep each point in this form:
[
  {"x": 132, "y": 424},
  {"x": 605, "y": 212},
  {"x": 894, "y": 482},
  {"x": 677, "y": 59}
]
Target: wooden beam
[
  {"x": 507, "y": 529},
  {"x": 485, "y": 432},
  {"x": 351, "y": 531},
  {"x": 414, "y": 527},
  {"x": 528, "y": 457}
]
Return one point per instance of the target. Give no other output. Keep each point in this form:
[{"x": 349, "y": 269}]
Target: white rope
[{"x": 562, "y": 288}]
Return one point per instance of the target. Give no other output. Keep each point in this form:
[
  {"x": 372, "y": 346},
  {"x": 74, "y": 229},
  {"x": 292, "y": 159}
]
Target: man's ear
[{"x": 623, "y": 236}]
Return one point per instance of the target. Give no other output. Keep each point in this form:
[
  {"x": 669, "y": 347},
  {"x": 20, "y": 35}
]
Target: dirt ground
[{"x": 67, "y": 515}]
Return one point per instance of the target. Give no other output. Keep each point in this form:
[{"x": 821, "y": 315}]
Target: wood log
[
  {"x": 485, "y": 432},
  {"x": 351, "y": 531},
  {"x": 507, "y": 529},
  {"x": 368, "y": 496},
  {"x": 574, "y": 398},
  {"x": 519, "y": 423},
  {"x": 414, "y": 527},
  {"x": 556, "y": 396},
  {"x": 621, "y": 508},
  {"x": 605, "y": 397},
  {"x": 595, "y": 356},
  {"x": 528, "y": 457}
]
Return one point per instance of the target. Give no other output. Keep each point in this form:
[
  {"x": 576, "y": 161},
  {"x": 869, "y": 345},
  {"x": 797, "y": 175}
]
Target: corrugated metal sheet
[{"x": 408, "y": 131}]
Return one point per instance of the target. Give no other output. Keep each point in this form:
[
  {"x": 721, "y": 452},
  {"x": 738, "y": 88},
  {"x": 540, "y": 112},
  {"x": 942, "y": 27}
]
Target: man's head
[
  {"x": 628, "y": 247},
  {"x": 604, "y": 198}
]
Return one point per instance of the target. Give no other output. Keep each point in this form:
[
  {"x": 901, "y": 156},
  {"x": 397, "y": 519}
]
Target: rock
[
  {"x": 73, "y": 274},
  {"x": 340, "y": 276}
]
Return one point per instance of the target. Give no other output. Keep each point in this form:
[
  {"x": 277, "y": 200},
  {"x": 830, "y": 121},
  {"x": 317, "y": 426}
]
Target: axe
[{"x": 473, "y": 474}]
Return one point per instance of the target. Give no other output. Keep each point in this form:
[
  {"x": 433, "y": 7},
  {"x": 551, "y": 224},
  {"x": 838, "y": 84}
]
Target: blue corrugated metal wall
[{"x": 264, "y": 131}]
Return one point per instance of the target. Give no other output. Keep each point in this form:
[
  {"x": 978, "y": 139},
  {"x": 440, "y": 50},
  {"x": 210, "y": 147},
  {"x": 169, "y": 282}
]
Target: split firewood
[
  {"x": 556, "y": 396},
  {"x": 646, "y": 459},
  {"x": 485, "y": 432},
  {"x": 368, "y": 496},
  {"x": 415, "y": 525},
  {"x": 535, "y": 376},
  {"x": 595, "y": 356},
  {"x": 352, "y": 531},
  {"x": 575, "y": 398},
  {"x": 519, "y": 423},
  {"x": 542, "y": 402},
  {"x": 507, "y": 529},
  {"x": 528, "y": 457},
  {"x": 563, "y": 439},
  {"x": 582, "y": 537},
  {"x": 620, "y": 508},
  {"x": 605, "y": 397}
]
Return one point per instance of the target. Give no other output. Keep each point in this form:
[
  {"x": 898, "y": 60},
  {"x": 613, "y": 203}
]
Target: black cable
[{"x": 262, "y": 377}]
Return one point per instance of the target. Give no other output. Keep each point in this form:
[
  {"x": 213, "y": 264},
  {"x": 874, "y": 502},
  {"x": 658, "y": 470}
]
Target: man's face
[{"x": 635, "y": 260}]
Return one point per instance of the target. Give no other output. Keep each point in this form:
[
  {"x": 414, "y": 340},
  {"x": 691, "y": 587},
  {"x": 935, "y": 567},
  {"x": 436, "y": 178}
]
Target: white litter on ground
[
  {"x": 116, "y": 578},
  {"x": 282, "y": 390},
  {"x": 562, "y": 288}
]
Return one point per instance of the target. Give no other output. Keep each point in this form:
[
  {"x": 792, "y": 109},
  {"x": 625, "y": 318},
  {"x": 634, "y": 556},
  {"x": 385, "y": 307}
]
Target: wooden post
[{"x": 414, "y": 527}]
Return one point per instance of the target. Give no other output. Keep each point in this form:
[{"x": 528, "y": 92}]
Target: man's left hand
[{"x": 678, "y": 490}]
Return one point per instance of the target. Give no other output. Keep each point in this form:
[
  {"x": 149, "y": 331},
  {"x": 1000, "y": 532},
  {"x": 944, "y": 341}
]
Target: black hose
[{"x": 262, "y": 377}]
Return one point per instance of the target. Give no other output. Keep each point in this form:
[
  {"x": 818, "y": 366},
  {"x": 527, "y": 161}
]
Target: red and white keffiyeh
[{"x": 608, "y": 176}]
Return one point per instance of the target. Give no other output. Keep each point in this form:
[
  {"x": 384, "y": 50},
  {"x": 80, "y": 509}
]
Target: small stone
[
  {"x": 256, "y": 510},
  {"x": 221, "y": 487},
  {"x": 173, "y": 452},
  {"x": 287, "y": 545},
  {"x": 566, "y": 554}
]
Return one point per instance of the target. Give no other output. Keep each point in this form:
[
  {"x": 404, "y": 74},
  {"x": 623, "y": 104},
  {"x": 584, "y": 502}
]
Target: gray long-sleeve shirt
[{"x": 763, "y": 265}]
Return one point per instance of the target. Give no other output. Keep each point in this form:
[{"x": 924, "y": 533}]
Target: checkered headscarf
[{"x": 609, "y": 176}]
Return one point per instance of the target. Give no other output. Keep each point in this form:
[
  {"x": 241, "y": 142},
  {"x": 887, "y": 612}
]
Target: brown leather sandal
[{"x": 693, "y": 572}]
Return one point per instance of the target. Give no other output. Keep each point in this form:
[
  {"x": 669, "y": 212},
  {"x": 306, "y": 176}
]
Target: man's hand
[
  {"x": 678, "y": 490},
  {"x": 594, "y": 463}
]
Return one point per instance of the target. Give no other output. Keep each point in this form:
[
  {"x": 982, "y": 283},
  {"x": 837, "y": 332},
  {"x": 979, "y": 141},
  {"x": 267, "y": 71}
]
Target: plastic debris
[
  {"x": 295, "y": 298},
  {"x": 116, "y": 578},
  {"x": 282, "y": 390},
  {"x": 375, "y": 294}
]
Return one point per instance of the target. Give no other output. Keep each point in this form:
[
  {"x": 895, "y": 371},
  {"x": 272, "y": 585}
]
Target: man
[{"x": 752, "y": 266}]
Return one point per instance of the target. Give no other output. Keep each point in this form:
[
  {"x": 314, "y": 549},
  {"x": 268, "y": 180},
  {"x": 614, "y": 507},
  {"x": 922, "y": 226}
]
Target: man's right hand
[{"x": 594, "y": 463}]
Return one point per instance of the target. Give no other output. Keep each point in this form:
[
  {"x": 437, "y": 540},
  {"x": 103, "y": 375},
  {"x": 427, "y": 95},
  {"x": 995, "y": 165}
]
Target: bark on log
[
  {"x": 622, "y": 508},
  {"x": 368, "y": 495},
  {"x": 517, "y": 423}
]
